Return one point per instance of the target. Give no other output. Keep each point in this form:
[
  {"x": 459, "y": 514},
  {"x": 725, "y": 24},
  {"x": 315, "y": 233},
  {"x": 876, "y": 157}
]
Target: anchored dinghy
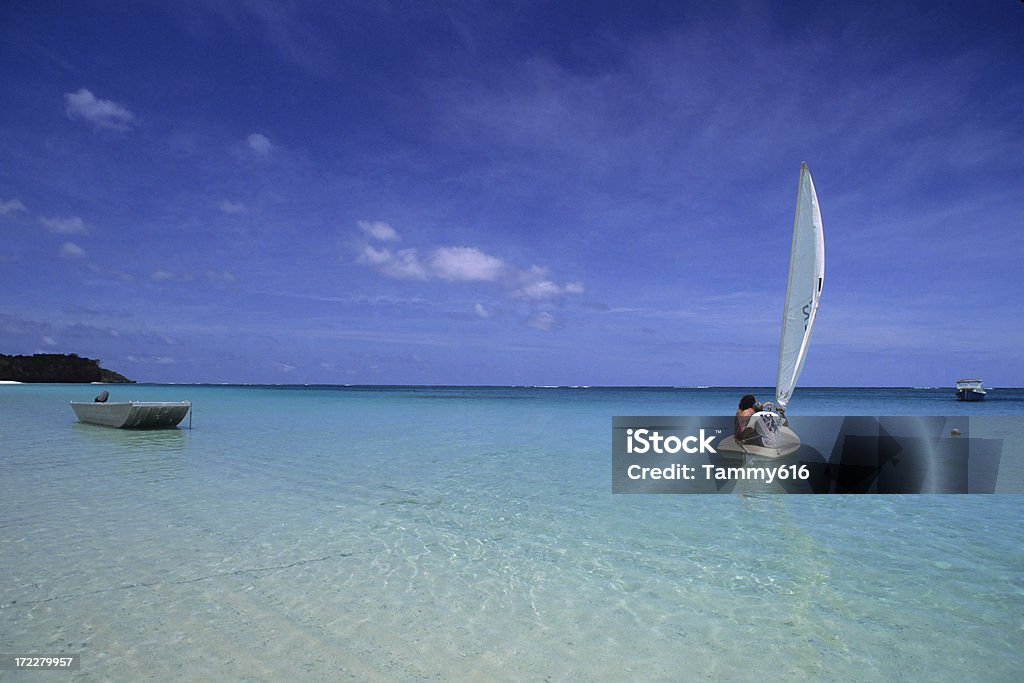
[
  {"x": 131, "y": 414},
  {"x": 803, "y": 291}
]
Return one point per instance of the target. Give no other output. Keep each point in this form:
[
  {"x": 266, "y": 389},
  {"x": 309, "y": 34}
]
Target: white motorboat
[
  {"x": 132, "y": 414},
  {"x": 970, "y": 390}
]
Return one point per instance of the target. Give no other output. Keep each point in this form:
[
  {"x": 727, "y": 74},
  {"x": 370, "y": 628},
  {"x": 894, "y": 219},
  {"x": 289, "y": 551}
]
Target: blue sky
[{"x": 511, "y": 193}]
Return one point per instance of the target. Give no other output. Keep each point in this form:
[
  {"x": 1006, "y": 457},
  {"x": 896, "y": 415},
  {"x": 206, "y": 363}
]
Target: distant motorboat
[
  {"x": 132, "y": 414},
  {"x": 970, "y": 390}
]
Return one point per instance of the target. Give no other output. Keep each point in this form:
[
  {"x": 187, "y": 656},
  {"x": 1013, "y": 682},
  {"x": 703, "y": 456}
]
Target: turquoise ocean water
[{"x": 438, "y": 533}]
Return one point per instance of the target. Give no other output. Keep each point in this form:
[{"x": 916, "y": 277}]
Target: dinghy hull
[{"x": 133, "y": 414}]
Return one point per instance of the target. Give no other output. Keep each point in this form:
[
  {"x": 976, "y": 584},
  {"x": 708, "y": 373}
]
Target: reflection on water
[
  {"x": 149, "y": 441},
  {"x": 142, "y": 454}
]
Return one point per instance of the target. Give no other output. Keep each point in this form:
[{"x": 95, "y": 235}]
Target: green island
[{"x": 66, "y": 368}]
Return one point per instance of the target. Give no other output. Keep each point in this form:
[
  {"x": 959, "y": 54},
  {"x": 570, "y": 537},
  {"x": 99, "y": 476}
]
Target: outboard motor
[{"x": 102, "y": 398}]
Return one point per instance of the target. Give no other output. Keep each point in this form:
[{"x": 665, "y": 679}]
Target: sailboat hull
[{"x": 730, "y": 447}]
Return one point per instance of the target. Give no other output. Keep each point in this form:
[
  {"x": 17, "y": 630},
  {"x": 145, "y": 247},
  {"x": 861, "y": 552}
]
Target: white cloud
[
  {"x": 224, "y": 276},
  {"x": 110, "y": 272},
  {"x": 85, "y": 106},
  {"x": 379, "y": 230},
  {"x": 542, "y": 289},
  {"x": 153, "y": 360},
  {"x": 10, "y": 206},
  {"x": 72, "y": 250},
  {"x": 49, "y": 341},
  {"x": 465, "y": 263},
  {"x": 213, "y": 276},
  {"x": 73, "y": 225},
  {"x": 260, "y": 144},
  {"x": 543, "y": 321},
  {"x": 537, "y": 286},
  {"x": 461, "y": 264},
  {"x": 375, "y": 257},
  {"x": 405, "y": 264},
  {"x": 230, "y": 207}
]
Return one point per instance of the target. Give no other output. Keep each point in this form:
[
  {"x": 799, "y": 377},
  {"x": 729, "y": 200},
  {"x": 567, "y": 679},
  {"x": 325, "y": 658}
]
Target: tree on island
[{"x": 69, "y": 368}]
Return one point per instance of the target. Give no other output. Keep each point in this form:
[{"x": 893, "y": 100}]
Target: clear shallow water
[{"x": 447, "y": 533}]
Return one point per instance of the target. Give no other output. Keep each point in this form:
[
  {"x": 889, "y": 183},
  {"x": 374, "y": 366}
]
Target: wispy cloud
[
  {"x": 72, "y": 225},
  {"x": 403, "y": 264},
  {"x": 378, "y": 230},
  {"x": 543, "y": 321},
  {"x": 84, "y": 106},
  {"x": 298, "y": 33},
  {"x": 229, "y": 207},
  {"x": 10, "y": 206},
  {"x": 212, "y": 276},
  {"x": 70, "y": 250},
  {"x": 151, "y": 360},
  {"x": 219, "y": 276},
  {"x": 538, "y": 287},
  {"x": 108, "y": 273},
  {"x": 260, "y": 144}
]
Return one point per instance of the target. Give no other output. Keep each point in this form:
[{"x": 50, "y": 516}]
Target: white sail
[{"x": 803, "y": 290}]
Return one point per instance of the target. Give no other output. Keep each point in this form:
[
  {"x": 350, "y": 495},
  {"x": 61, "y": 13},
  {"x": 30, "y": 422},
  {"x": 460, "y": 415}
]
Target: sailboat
[{"x": 803, "y": 291}]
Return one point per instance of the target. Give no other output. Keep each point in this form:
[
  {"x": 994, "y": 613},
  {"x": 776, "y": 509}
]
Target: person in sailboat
[
  {"x": 757, "y": 424},
  {"x": 748, "y": 406}
]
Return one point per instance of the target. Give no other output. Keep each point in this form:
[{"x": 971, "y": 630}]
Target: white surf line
[{"x": 180, "y": 582}]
